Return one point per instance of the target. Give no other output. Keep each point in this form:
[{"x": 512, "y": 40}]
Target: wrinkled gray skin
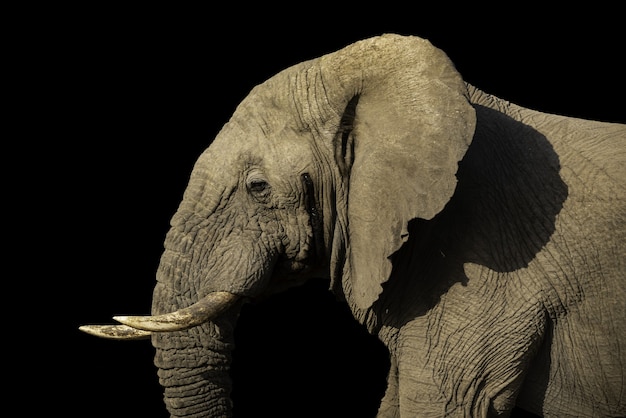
[{"x": 482, "y": 242}]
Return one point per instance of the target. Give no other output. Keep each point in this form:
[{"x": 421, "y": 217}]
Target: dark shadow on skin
[{"x": 502, "y": 214}]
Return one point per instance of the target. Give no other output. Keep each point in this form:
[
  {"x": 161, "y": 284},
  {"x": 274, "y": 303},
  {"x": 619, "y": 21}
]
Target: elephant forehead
[
  {"x": 295, "y": 99},
  {"x": 276, "y": 144}
]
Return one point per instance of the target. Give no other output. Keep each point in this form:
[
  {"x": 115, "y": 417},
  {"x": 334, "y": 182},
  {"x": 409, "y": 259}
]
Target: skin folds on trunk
[
  {"x": 194, "y": 369},
  {"x": 194, "y": 364}
]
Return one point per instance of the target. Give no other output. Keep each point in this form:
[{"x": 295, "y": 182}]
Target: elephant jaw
[{"x": 140, "y": 327}]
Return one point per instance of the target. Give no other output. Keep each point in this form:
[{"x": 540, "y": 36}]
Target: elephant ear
[{"x": 407, "y": 123}]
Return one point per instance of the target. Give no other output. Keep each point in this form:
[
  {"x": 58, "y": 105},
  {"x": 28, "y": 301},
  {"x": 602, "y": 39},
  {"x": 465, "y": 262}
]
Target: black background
[{"x": 126, "y": 100}]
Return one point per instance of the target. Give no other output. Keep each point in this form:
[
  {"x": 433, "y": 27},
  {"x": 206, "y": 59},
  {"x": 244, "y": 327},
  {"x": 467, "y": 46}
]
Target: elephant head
[{"x": 313, "y": 163}]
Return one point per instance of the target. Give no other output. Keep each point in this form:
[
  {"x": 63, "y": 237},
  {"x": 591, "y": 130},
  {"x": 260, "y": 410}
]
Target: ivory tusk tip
[
  {"x": 92, "y": 329},
  {"x": 133, "y": 321},
  {"x": 85, "y": 328},
  {"x": 115, "y": 332}
]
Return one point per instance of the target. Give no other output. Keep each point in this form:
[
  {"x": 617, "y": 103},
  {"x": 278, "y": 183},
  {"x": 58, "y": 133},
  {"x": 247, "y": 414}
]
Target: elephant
[{"x": 482, "y": 242}]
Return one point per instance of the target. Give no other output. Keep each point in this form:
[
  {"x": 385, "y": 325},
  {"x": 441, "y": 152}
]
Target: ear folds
[
  {"x": 399, "y": 142},
  {"x": 343, "y": 143}
]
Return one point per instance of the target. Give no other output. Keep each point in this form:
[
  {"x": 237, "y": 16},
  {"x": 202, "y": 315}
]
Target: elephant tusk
[
  {"x": 202, "y": 311},
  {"x": 115, "y": 332}
]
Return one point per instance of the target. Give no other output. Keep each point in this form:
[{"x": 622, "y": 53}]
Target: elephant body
[
  {"x": 482, "y": 242},
  {"x": 555, "y": 331}
]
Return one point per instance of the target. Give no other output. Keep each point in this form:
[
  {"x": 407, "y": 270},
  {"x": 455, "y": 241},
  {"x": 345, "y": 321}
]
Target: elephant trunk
[
  {"x": 194, "y": 369},
  {"x": 193, "y": 363}
]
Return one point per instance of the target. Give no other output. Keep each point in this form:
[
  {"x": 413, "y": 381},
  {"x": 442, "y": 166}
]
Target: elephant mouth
[{"x": 140, "y": 327}]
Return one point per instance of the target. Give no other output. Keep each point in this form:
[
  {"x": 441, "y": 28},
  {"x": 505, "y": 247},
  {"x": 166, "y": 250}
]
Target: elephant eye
[{"x": 258, "y": 187}]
